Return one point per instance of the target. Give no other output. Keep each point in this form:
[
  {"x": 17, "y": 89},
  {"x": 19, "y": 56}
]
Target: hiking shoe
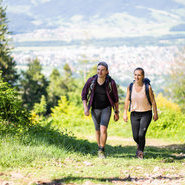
[
  {"x": 140, "y": 155},
  {"x": 137, "y": 150},
  {"x": 101, "y": 154}
]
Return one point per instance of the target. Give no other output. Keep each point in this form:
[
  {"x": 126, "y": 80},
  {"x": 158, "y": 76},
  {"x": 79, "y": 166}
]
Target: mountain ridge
[{"x": 98, "y": 19}]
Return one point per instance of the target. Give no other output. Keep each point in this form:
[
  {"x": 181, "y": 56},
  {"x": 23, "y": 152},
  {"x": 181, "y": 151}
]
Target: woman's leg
[
  {"x": 146, "y": 118},
  {"x": 135, "y": 122}
]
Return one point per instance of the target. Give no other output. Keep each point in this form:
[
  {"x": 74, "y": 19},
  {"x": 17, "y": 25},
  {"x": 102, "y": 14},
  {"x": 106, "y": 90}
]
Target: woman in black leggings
[{"x": 141, "y": 99}]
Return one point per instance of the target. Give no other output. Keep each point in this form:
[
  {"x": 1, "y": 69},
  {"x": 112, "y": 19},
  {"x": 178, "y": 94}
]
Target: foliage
[
  {"x": 12, "y": 114},
  {"x": 68, "y": 80},
  {"x": 33, "y": 84},
  {"x": 75, "y": 96},
  {"x": 64, "y": 85},
  {"x": 165, "y": 104},
  {"x": 69, "y": 116},
  {"x": 177, "y": 79},
  {"x": 66, "y": 110},
  {"x": 121, "y": 94},
  {"x": 40, "y": 108},
  {"x": 171, "y": 122},
  {"x": 7, "y": 63},
  {"x": 54, "y": 89},
  {"x": 67, "y": 71},
  {"x": 39, "y": 111}
]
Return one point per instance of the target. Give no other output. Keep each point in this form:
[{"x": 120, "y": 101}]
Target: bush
[
  {"x": 69, "y": 116},
  {"x": 12, "y": 114},
  {"x": 171, "y": 120}
]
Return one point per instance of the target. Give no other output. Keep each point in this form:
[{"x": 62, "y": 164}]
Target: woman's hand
[
  {"x": 125, "y": 117},
  {"x": 155, "y": 117}
]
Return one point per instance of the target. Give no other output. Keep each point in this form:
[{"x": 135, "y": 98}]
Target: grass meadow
[{"x": 65, "y": 152}]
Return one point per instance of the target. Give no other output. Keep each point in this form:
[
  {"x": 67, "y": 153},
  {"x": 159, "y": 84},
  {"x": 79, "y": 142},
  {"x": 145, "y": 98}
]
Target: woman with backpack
[{"x": 140, "y": 100}]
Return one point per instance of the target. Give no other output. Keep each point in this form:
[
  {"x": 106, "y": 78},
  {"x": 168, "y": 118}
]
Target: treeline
[{"x": 35, "y": 88}]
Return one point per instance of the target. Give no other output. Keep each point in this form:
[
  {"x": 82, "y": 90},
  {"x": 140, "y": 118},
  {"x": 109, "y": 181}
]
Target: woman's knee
[
  {"x": 141, "y": 136},
  {"x": 142, "y": 133}
]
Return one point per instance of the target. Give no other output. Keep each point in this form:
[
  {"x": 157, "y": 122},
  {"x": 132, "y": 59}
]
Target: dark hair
[
  {"x": 103, "y": 64},
  {"x": 140, "y": 69}
]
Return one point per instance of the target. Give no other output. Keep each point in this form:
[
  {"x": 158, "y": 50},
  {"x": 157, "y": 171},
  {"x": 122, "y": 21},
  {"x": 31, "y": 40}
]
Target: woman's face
[{"x": 138, "y": 76}]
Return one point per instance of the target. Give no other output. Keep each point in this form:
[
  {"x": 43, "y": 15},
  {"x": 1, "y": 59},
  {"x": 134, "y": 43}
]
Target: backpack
[{"x": 146, "y": 81}]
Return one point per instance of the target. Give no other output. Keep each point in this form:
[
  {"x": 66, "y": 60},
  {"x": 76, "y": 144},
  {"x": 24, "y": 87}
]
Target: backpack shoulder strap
[
  {"x": 130, "y": 94},
  {"x": 130, "y": 90},
  {"x": 91, "y": 87},
  {"x": 109, "y": 81},
  {"x": 147, "y": 92},
  {"x": 92, "y": 84},
  {"x": 147, "y": 83}
]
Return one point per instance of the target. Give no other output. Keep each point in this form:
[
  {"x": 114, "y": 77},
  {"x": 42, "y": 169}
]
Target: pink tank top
[{"x": 139, "y": 101}]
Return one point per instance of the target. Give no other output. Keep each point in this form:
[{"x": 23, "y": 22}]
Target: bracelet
[{"x": 116, "y": 111}]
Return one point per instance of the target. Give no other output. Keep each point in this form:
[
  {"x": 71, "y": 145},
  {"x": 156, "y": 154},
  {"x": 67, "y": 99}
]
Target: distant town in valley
[{"x": 122, "y": 60}]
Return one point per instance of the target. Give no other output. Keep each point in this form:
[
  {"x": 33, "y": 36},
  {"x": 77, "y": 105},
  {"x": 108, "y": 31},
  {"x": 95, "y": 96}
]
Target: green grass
[
  {"x": 45, "y": 155},
  {"x": 50, "y": 164}
]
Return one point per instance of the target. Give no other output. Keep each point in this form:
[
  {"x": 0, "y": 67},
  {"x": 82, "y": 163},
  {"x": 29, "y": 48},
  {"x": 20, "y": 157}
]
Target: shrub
[
  {"x": 70, "y": 116},
  {"x": 171, "y": 120},
  {"x": 66, "y": 108},
  {"x": 12, "y": 114}
]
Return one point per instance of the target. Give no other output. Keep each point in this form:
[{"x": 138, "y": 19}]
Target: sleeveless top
[{"x": 139, "y": 101}]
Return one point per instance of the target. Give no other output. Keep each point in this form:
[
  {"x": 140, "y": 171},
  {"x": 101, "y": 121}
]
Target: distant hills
[
  {"x": 167, "y": 40},
  {"x": 106, "y": 22}
]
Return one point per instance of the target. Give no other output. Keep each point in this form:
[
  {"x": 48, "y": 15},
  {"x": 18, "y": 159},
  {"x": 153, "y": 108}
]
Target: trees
[
  {"x": 7, "y": 63},
  {"x": 54, "y": 89},
  {"x": 33, "y": 84},
  {"x": 12, "y": 113},
  {"x": 60, "y": 85},
  {"x": 177, "y": 79}
]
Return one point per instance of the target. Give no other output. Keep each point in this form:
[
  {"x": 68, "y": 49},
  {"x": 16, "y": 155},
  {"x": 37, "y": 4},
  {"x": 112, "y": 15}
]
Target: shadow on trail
[
  {"x": 71, "y": 179},
  {"x": 168, "y": 153},
  {"x": 48, "y": 135}
]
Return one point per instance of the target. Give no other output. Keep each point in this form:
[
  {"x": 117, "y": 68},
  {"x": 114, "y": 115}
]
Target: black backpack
[{"x": 146, "y": 81}]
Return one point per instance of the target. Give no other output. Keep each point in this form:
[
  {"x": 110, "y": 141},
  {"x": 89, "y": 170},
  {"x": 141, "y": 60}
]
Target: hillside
[{"x": 133, "y": 23}]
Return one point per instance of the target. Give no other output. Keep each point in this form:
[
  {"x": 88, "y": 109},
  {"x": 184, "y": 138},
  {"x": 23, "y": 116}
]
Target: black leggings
[{"x": 140, "y": 122}]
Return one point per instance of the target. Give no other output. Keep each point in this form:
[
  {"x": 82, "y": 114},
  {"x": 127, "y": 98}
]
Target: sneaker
[
  {"x": 101, "y": 154},
  {"x": 140, "y": 155}
]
